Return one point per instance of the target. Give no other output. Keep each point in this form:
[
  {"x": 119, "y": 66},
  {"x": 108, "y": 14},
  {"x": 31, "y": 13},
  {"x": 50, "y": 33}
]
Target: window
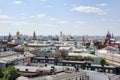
[
  {"x": 26, "y": 70},
  {"x": 18, "y": 70}
]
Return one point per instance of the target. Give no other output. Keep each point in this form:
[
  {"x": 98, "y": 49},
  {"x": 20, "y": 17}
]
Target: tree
[
  {"x": 92, "y": 52},
  {"x": 10, "y": 73},
  {"x": 64, "y": 53},
  {"x": 88, "y": 58},
  {"x": 76, "y": 58},
  {"x": 103, "y": 62}
]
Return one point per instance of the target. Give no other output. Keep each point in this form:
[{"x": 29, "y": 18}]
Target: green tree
[
  {"x": 92, "y": 52},
  {"x": 103, "y": 62},
  {"x": 10, "y": 73},
  {"x": 76, "y": 58},
  {"x": 88, "y": 58}
]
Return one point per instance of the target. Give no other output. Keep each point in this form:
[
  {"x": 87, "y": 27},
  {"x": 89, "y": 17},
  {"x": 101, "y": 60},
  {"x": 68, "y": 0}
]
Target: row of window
[
  {"x": 99, "y": 69},
  {"x": 78, "y": 65},
  {"x": 41, "y": 61}
]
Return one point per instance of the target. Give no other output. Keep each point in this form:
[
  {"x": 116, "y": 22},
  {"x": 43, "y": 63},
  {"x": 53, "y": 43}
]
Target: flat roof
[
  {"x": 43, "y": 58},
  {"x": 7, "y": 53},
  {"x": 35, "y": 68},
  {"x": 73, "y": 61},
  {"x": 81, "y": 54},
  {"x": 15, "y": 57},
  {"x": 30, "y": 68}
]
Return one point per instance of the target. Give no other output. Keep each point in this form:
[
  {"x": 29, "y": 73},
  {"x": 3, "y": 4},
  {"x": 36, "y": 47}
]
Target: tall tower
[
  {"x": 108, "y": 37},
  {"x": 83, "y": 40},
  {"x": 34, "y": 36},
  {"x": 112, "y": 36},
  {"x": 17, "y": 34},
  {"x": 18, "y": 38},
  {"x": 61, "y": 37},
  {"x": 9, "y": 37}
]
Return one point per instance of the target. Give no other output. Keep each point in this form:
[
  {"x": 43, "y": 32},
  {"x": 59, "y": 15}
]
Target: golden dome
[{"x": 17, "y": 33}]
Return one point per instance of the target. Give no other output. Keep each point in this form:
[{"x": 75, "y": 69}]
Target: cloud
[
  {"x": 38, "y": 16},
  {"x": 14, "y": 23},
  {"x": 41, "y": 16},
  {"x": 88, "y": 9},
  {"x": 70, "y": 5},
  {"x": 102, "y": 4},
  {"x": 79, "y": 22},
  {"x": 22, "y": 14},
  {"x": 17, "y": 2},
  {"x": 50, "y": 6},
  {"x": 62, "y": 22},
  {"x": 52, "y": 19},
  {"x": 19, "y": 23},
  {"x": 4, "y": 17}
]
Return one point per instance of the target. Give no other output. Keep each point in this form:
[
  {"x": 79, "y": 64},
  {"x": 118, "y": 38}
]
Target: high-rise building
[{"x": 61, "y": 37}]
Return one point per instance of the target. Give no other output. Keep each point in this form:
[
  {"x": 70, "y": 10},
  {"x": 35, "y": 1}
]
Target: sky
[{"x": 50, "y": 17}]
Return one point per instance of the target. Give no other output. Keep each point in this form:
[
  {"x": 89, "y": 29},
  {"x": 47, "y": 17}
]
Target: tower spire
[
  {"x": 9, "y": 37},
  {"x": 108, "y": 36},
  {"x": 108, "y": 32},
  {"x": 34, "y": 35},
  {"x": 112, "y": 35}
]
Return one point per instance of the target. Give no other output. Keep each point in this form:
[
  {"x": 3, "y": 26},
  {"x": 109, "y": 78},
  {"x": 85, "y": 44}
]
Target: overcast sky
[{"x": 49, "y": 17}]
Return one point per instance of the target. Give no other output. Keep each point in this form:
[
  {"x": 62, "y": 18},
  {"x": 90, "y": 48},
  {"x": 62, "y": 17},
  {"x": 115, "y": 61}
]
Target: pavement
[{"x": 93, "y": 75}]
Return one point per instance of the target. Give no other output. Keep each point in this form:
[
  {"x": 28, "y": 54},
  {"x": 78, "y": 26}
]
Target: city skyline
[{"x": 50, "y": 17}]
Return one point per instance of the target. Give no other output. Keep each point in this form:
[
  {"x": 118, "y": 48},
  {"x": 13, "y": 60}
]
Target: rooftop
[{"x": 15, "y": 57}]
